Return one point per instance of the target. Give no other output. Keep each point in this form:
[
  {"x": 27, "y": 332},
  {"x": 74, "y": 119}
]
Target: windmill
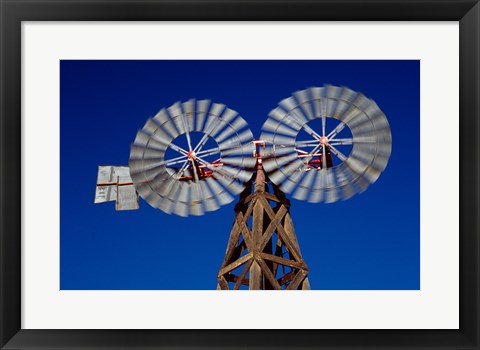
[{"x": 322, "y": 144}]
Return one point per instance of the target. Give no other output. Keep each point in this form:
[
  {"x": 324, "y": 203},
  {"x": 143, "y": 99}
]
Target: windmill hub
[
  {"x": 323, "y": 140},
  {"x": 191, "y": 155}
]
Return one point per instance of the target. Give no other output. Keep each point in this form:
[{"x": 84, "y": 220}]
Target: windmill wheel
[
  {"x": 192, "y": 157},
  {"x": 327, "y": 144}
]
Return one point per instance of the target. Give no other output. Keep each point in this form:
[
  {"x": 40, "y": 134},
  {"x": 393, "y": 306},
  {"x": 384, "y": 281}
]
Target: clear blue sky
[{"x": 371, "y": 241}]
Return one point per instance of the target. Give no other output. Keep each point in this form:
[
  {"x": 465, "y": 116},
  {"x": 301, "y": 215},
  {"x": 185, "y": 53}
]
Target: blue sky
[{"x": 371, "y": 241}]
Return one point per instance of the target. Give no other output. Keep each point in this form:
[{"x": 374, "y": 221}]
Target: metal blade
[
  {"x": 161, "y": 117},
  {"x": 217, "y": 109},
  {"x": 293, "y": 181},
  {"x": 348, "y": 95},
  {"x": 228, "y": 115},
  {"x": 245, "y": 136},
  {"x": 281, "y": 161},
  {"x": 202, "y": 107},
  {"x": 221, "y": 195},
  {"x": 181, "y": 209},
  {"x": 316, "y": 196},
  {"x": 176, "y": 116},
  {"x": 278, "y": 139},
  {"x": 279, "y": 176},
  {"x": 228, "y": 149},
  {"x": 305, "y": 186},
  {"x": 184, "y": 193},
  {"x": 208, "y": 197},
  {"x": 140, "y": 152},
  {"x": 355, "y": 165},
  {"x": 164, "y": 122},
  {"x": 165, "y": 205},
  {"x": 278, "y": 128},
  {"x": 230, "y": 184},
  {"x": 333, "y": 94},
  {"x": 227, "y": 132},
  {"x": 196, "y": 200},
  {"x": 318, "y": 94},
  {"x": 239, "y": 162},
  {"x": 303, "y": 99},
  {"x": 224, "y": 198},
  {"x": 331, "y": 192}
]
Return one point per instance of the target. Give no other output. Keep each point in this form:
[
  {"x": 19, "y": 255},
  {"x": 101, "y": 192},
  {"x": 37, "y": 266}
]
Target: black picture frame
[{"x": 13, "y": 12}]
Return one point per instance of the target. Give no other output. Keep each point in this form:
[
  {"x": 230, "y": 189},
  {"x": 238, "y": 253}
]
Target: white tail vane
[
  {"x": 192, "y": 157},
  {"x": 115, "y": 184},
  {"x": 326, "y": 144}
]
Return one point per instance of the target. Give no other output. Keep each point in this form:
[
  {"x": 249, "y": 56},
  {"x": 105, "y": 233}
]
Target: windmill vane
[{"x": 322, "y": 144}]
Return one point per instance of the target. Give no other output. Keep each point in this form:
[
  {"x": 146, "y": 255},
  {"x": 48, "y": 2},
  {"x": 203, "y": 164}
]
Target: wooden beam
[
  {"x": 272, "y": 197},
  {"x": 235, "y": 264},
  {"x": 306, "y": 284},
  {"x": 272, "y": 227},
  {"x": 247, "y": 237},
  {"x": 268, "y": 273},
  {"x": 290, "y": 230},
  {"x": 278, "y": 252},
  {"x": 248, "y": 213},
  {"x": 232, "y": 242},
  {"x": 241, "y": 278},
  {"x": 222, "y": 282},
  {"x": 268, "y": 208},
  {"x": 286, "y": 278},
  {"x": 257, "y": 224},
  {"x": 255, "y": 277},
  {"x": 297, "y": 280},
  {"x": 289, "y": 244},
  {"x": 283, "y": 261}
]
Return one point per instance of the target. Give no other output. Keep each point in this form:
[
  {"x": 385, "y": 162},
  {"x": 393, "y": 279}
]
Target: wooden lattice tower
[{"x": 263, "y": 250}]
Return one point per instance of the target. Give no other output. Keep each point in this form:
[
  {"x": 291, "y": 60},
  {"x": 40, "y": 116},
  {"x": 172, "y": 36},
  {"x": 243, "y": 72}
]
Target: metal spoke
[
  {"x": 339, "y": 154},
  {"x": 308, "y": 143},
  {"x": 305, "y": 126},
  {"x": 195, "y": 172},
  {"x": 201, "y": 143},
  {"x": 187, "y": 133},
  {"x": 311, "y": 132},
  {"x": 209, "y": 152},
  {"x": 171, "y": 162},
  {"x": 207, "y": 164},
  {"x": 178, "y": 149},
  {"x": 301, "y": 151},
  {"x": 312, "y": 153},
  {"x": 341, "y": 142},
  {"x": 324, "y": 122},
  {"x": 204, "y": 162},
  {"x": 175, "y": 160},
  {"x": 182, "y": 169},
  {"x": 324, "y": 157},
  {"x": 335, "y": 131}
]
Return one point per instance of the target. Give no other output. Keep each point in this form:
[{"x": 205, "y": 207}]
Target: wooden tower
[{"x": 263, "y": 251}]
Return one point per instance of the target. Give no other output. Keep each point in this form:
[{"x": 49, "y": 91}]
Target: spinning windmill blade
[
  {"x": 325, "y": 166},
  {"x": 188, "y": 183}
]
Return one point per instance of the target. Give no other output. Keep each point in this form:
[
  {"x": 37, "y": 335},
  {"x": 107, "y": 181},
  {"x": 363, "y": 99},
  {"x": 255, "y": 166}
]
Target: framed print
[{"x": 157, "y": 153}]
